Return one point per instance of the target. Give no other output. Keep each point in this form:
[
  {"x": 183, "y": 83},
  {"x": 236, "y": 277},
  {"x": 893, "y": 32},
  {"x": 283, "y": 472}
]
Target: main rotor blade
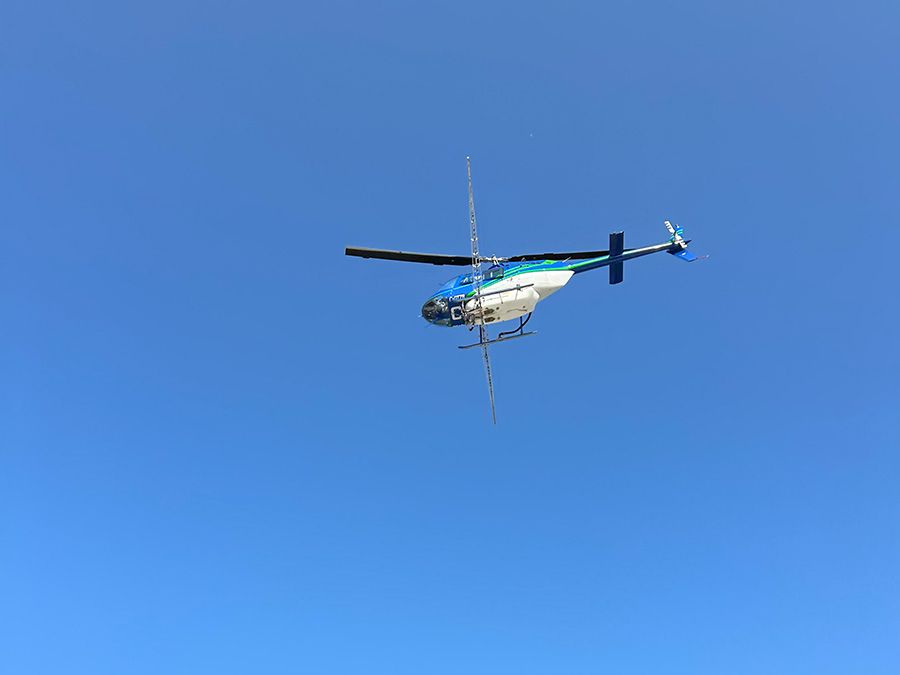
[
  {"x": 407, "y": 256},
  {"x": 463, "y": 260},
  {"x": 572, "y": 255}
]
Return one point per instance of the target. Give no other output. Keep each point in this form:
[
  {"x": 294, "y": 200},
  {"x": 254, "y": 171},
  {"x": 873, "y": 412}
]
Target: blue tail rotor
[{"x": 679, "y": 247}]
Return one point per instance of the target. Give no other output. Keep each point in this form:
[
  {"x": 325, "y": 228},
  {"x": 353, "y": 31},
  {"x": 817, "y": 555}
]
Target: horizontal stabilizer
[
  {"x": 616, "y": 248},
  {"x": 685, "y": 255}
]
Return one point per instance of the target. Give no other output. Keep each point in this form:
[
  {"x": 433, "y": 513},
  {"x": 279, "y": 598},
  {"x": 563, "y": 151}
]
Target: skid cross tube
[{"x": 517, "y": 330}]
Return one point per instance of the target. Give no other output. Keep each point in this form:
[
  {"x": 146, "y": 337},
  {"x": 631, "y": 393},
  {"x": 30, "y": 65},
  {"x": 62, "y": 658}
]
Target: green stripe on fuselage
[{"x": 541, "y": 266}]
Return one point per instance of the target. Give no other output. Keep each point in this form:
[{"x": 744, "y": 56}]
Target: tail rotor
[{"x": 679, "y": 245}]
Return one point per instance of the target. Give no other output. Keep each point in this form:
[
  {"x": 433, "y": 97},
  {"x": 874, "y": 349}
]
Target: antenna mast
[
  {"x": 473, "y": 233},
  {"x": 476, "y": 285}
]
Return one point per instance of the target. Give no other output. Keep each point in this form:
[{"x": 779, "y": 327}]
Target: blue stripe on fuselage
[{"x": 456, "y": 286}]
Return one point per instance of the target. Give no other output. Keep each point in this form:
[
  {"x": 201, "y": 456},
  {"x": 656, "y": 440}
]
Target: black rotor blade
[
  {"x": 406, "y": 256},
  {"x": 463, "y": 260},
  {"x": 572, "y": 255}
]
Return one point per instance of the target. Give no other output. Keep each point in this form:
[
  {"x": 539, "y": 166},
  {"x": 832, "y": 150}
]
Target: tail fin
[
  {"x": 676, "y": 232},
  {"x": 616, "y": 248},
  {"x": 680, "y": 244}
]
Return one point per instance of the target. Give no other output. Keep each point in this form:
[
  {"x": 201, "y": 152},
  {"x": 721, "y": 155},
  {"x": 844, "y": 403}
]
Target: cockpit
[
  {"x": 447, "y": 285},
  {"x": 436, "y": 310}
]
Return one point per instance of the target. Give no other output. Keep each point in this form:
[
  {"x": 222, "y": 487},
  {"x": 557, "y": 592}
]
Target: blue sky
[{"x": 228, "y": 448}]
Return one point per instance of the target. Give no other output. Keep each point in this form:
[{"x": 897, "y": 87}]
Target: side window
[{"x": 493, "y": 273}]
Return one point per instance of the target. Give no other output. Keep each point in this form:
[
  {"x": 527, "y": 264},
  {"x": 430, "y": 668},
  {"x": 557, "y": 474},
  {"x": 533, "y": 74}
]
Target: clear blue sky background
[{"x": 227, "y": 448}]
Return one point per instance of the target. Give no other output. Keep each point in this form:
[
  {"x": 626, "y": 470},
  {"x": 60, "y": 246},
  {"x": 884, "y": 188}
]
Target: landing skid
[
  {"x": 505, "y": 339},
  {"x": 513, "y": 334}
]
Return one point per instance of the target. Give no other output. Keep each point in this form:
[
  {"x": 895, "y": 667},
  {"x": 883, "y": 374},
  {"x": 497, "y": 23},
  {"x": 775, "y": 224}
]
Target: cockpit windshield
[{"x": 447, "y": 285}]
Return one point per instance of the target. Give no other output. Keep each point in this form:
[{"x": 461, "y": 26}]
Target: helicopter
[{"x": 510, "y": 288}]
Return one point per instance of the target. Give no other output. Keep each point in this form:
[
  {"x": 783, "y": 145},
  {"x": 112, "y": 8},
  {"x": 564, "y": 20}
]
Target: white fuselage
[{"x": 516, "y": 296}]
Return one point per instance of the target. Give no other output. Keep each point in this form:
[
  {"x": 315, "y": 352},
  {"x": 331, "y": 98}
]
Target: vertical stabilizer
[{"x": 616, "y": 248}]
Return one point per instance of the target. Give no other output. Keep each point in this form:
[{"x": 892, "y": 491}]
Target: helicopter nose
[
  {"x": 430, "y": 311},
  {"x": 435, "y": 310}
]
